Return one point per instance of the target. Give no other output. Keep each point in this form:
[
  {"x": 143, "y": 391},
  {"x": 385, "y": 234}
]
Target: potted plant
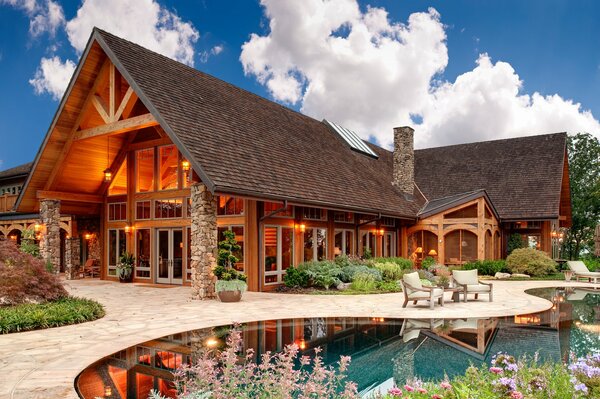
[
  {"x": 230, "y": 283},
  {"x": 125, "y": 267}
]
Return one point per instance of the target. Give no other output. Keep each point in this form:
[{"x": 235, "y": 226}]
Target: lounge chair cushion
[
  {"x": 413, "y": 280},
  {"x": 578, "y": 266},
  {"x": 478, "y": 288},
  {"x": 468, "y": 277},
  {"x": 425, "y": 294}
]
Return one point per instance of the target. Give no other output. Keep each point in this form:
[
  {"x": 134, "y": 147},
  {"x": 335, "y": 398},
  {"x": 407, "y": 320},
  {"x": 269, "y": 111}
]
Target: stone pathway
[{"x": 44, "y": 364}]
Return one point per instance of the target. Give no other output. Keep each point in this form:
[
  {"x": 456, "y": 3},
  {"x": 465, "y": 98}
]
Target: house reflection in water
[{"x": 384, "y": 351}]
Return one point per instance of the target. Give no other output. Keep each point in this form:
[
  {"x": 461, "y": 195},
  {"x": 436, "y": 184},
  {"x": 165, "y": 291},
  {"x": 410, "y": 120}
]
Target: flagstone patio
[{"x": 44, "y": 364}]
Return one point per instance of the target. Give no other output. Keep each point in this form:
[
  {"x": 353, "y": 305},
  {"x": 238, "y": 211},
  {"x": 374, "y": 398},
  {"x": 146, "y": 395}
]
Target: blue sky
[{"x": 549, "y": 46}]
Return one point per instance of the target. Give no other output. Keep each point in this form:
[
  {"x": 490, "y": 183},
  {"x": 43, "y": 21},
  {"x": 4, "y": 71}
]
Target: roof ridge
[{"x": 494, "y": 141}]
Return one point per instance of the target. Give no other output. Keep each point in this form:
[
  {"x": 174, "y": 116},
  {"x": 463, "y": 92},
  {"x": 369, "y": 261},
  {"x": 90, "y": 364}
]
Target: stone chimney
[{"x": 404, "y": 159}]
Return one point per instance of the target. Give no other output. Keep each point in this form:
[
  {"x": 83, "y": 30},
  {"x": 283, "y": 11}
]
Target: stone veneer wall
[
  {"x": 72, "y": 256},
  {"x": 203, "y": 241},
  {"x": 50, "y": 242},
  {"x": 404, "y": 159}
]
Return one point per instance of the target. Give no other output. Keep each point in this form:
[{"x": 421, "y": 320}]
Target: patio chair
[
  {"x": 415, "y": 291},
  {"x": 469, "y": 283},
  {"x": 580, "y": 270},
  {"x": 90, "y": 268}
]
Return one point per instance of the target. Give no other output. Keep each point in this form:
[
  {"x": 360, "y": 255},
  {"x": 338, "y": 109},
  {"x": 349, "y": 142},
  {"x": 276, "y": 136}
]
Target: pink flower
[
  {"x": 395, "y": 391},
  {"x": 516, "y": 395},
  {"x": 445, "y": 385},
  {"x": 409, "y": 388},
  {"x": 421, "y": 390},
  {"x": 436, "y": 396},
  {"x": 496, "y": 370}
]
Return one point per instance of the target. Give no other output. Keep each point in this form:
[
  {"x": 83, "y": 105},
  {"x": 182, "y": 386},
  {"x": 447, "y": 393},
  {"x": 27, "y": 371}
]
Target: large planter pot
[
  {"x": 126, "y": 277},
  {"x": 230, "y": 296},
  {"x": 568, "y": 275}
]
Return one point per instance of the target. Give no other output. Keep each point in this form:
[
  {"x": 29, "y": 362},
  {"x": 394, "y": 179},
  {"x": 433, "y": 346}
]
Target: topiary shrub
[
  {"x": 23, "y": 278},
  {"x": 487, "y": 267},
  {"x": 390, "y": 271},
  {"x": 349, "y": 272},
  {"x": 530, "y": 261},
  {"x": 295, "y": 278}
]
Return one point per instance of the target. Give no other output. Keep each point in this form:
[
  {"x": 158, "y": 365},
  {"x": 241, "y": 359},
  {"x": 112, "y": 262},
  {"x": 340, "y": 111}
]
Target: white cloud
[
  {"x": 142, "y": 21},
  {"x": 205, "y": 55},
  {"x": 52, "y": 76},
  {"x": 44, "y": 16},
  {"x": 370, "y": 74},
  {"x": 216, "y": 50}
]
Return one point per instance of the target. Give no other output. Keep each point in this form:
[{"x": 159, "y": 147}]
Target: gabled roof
[
  {"x": 244, "y": 144},
  {"x": 438, "y": 205},
  {"x": 17, "y": 171},
  {"x": 522, "y": 176}
]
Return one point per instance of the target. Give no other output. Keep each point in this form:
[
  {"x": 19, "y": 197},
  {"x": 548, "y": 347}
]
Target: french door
[{"x": 169, "y": 254}]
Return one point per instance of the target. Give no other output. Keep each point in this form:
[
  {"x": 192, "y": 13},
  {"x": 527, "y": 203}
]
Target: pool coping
[{"x": 45, "y": 363}]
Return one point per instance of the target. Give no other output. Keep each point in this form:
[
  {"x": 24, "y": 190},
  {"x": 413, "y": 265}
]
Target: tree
[{"x": 584, "y": 175}]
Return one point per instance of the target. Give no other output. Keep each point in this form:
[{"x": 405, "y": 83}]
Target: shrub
[
  {"x": 428, "y": 263},
  {"x": 487, "y": 267},
  {"x": 61, "y": 312},
  {"x": 231, "y": 285},
  {"x": 229, "y": 373},
  {"x": 28, "y": 244},
  {"x": 515, "y": 241},
  {"x": 592, "y": 263},
  {"x": 349, "y": 272},
  {"x": 530, "y": 261},
  {"x": 323, "y": 274},
  {"x": 389, "y": 271},
  {"x": 404, "y": 263},
  {"x": 23, "y": 278},
  {"x": 345, "y": 261},
  {"x": 295, "y": 278},
  {"x": 363, "y": 282}
]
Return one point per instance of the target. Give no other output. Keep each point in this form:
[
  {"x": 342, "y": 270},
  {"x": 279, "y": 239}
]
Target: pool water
[{"x": 384, "y": 351}]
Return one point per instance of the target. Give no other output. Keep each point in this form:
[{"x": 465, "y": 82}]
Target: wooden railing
[{"x": 7, "y": 202}]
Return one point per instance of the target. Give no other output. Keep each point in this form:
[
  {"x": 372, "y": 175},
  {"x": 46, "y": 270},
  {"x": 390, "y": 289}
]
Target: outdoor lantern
[
  {"x": 37, "y": 227},
  {"x": 129, "y": 229},
  {"x": 301, "y": 227},
  {"x": 185, "y": 165},
  {"x": 380, "y": 232},
  {"x": 107, "y": 175},
  {"x": 302, "y": 344},
  {"x": 107, "y": 391}
]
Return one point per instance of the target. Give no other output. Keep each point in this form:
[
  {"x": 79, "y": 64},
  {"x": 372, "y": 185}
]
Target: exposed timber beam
[
  {"x": 100, "y": 106},
  {"x": 126, "y": 125},
  {"x": 117, "y": 162},
  {"x": 111, "y": 91},
  {"x": 72, "y": 197},
  {"x": 126, "y": 105}
]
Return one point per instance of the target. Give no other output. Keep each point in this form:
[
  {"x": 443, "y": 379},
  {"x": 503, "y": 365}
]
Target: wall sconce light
[
  {"x": 107, "y": 175},
  {"x": 37, "y": 227},
  {"x": 380, "y": 232},
  {"x": 129, "y": 229},
  {"x": 185, "y": 165},
  {"x": 302, "y": 344},
  {"x": 301, "y": 227},
  {"x": 87, "y": 236},
  {"x": 39, "y": 236},
  {"x": 13, "y": 237},
  {"x": 211, "y": 342}
]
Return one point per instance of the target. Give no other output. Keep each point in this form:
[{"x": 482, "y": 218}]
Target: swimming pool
[{"x": 384, "y": 351}]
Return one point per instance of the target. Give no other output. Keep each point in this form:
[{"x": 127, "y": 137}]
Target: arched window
[
  {"x": 460, "y": 247},
  {"x": 497, "y": 246},
  {"x": 489, "y": 245},
  {"x": 421, "y": 244}
]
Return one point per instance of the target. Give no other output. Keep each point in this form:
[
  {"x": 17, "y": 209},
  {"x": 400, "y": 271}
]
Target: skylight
[{"x": 350, "y": 137}]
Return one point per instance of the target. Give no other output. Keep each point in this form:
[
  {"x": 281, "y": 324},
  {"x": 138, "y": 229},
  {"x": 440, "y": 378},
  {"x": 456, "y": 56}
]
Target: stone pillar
[
  {"x": 204, "y": 241},
  {"x": 404, "y": 160},
  {"x": 72, "y": 256},
  {"x": 50, "y": 241}
]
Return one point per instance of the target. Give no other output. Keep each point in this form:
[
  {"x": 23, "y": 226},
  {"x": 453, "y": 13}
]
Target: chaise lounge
[
  {"x": 580, "y": 270},
  {"x": 469, "y": 283},
  {"x": 415, "y": 291}
]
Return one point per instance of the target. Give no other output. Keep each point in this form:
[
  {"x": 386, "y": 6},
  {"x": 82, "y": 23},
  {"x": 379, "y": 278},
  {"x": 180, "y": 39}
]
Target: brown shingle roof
[
  {"x": 17, "y": 171},
  {"x": 522, "y": 176},
  {"x": 242, "y": 143}
]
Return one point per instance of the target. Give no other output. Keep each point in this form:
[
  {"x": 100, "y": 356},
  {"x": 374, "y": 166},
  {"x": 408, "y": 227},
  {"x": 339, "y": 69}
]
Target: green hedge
[
  {"x": 530, "y": 261},
  {"x": 57, "y": 313},
  {"x": 487, "y": 267}
]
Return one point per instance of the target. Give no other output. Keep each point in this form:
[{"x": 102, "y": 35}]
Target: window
[
  {"x": 117, "y": 244},
  {"x": 344, "y": 243},
  {"x": 278, "y": 252},
  {"x": 142, "y": 250},
  {"x": 168, "y": 166},
  {"x": 315, "y": 244},
  {"x": 229, "y": 206},
  {"x": 343, "y": 217},
  {"x": 119, "y": 183},
  {"x": 239, "y": 237},
  {"x": 168, "y": 209},
  {"x": 421, "y": 244},
  {"x": 142, "y": 210},
  {"x": 274, "y": 206},
  {"x": 314, "y": 213},
  {"x": 489, "y": 245},
  {"x": 460, "y": 247},
  {"x": 389, "y": 244},
  {"x": 144, "y": 180},
  {"x": 387, "y": 221},
  {"x": 368, "y": 243},
  {"x": 117, "y": 211},
  {"x": 467, "y": 212}
]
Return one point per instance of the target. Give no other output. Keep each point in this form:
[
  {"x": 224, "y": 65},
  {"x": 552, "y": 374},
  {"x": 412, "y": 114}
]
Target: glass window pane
[
  {"x": 468, "y": 246},
  {"x": 338, "y": 243},
  {"x": 349, "y": 250},
  {"x": 112, "y": 247},
  {"x": 228, "y": 206},
  {"x": 308, "y": 245},
  {"x": 452, "y": 247},
  {"x": 168, "y": 159},
  {"x": 142, "y": 210},
  {"x": 122, "y": 243},
  {"x": 321, "y": 244},
  {"x": 239, "y": 237},
  {"x": 287, "y": 247},
  {"x": 145, "y": 170},
  {"x": 271, "y": 237},
  {"x": 119, "y": 183},
  {"x": 142, "y": 253}
]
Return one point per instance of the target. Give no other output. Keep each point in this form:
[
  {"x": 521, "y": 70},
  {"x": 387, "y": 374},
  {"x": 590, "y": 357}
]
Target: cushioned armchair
[
  {"x": 415, "y": 291},
  {"x": 469, "y": 283}
]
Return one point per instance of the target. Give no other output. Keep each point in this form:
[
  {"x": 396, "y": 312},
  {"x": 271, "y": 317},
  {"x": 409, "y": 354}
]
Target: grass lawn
[{"x": 46, "y": 315}]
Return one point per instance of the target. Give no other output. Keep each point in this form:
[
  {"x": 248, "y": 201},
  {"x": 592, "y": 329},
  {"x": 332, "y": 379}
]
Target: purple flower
[
  {"x": 581, "y": 387},
  {"x": 508, "y": 382}
]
